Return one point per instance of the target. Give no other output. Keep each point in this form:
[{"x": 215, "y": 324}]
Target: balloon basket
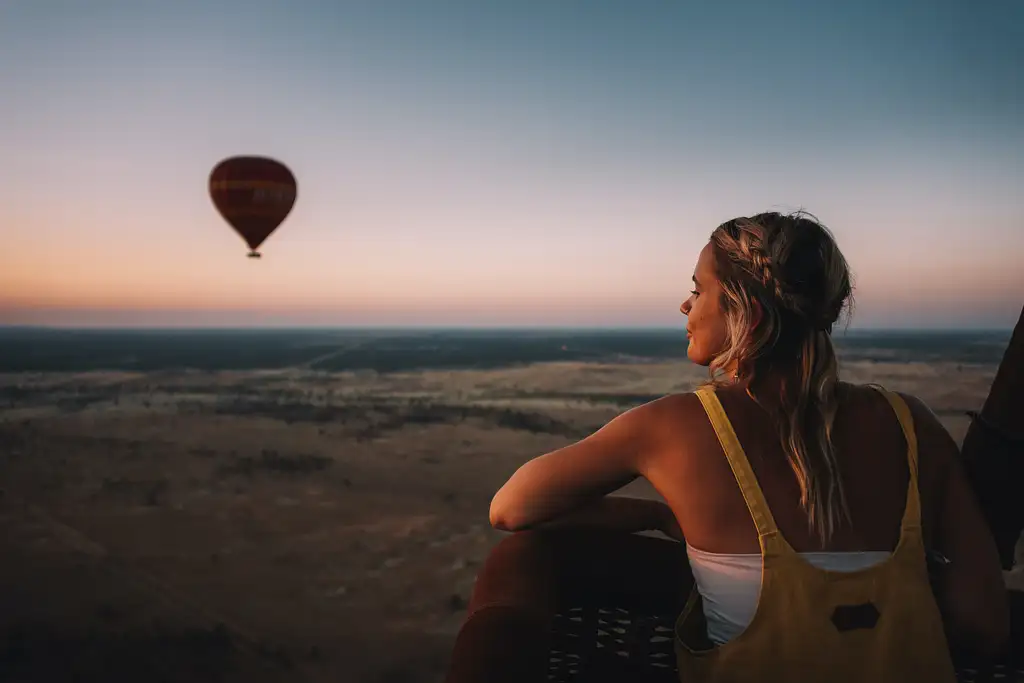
[{"x": 255, "y": 254}]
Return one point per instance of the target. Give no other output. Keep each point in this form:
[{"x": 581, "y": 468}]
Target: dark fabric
[
  {"x": 993, "y": 449},
  {"x": 530, "y": 576},
  {"x": 995, "y": 467}
]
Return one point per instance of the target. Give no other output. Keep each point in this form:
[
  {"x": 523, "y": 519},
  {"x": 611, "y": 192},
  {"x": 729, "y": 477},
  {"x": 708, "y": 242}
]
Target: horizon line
[{"x": 4, "y": 327}]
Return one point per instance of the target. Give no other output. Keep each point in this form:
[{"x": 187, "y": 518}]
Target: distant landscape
[
  {"x": 263, "y": 505},
  {"x": 28, "y": 349}
]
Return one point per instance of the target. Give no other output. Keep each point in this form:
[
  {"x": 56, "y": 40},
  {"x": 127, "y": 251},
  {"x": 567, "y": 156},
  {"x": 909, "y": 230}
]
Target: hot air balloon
[{"x": 254, "y": 195}]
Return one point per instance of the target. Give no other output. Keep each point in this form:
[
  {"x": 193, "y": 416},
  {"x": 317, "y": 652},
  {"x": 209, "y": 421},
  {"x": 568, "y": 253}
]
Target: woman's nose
[{"x": 685, "y": 308}]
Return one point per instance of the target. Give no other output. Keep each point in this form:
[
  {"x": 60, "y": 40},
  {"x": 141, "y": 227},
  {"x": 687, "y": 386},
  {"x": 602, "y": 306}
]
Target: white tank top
[{"x": 731, "y": 584}]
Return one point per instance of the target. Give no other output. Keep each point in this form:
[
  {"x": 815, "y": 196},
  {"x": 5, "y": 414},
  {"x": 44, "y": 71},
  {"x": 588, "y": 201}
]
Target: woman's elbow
[
  {"x": 498, "y": 521},
  {"x": 501, "y": 516}
]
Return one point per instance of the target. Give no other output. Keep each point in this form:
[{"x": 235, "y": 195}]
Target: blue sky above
[{"x": 503, "y": 162}]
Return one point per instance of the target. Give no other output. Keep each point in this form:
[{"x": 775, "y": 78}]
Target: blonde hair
[{"x": 790, "y": 268}]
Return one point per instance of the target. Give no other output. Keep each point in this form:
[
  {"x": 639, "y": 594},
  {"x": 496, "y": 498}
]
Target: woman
[{"x": 806, "y": 503}]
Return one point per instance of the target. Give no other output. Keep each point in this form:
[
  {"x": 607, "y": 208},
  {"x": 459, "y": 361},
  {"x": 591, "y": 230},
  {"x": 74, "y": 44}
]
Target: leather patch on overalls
[{"x": 850, "y": 617}]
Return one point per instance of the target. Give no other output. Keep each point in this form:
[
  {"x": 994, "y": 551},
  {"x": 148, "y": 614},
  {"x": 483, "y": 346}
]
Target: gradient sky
[{"x": 503, "y": 162}]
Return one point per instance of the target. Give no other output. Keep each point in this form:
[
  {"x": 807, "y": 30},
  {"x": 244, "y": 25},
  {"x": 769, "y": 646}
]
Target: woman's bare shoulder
[
  {"x": 922, "y": 415},
  {"x": 673, "y": 409},
  {"x": 934, "y": 441},
  {"x": 672, "y": 420},
  {"x": 932, "y": 436}
]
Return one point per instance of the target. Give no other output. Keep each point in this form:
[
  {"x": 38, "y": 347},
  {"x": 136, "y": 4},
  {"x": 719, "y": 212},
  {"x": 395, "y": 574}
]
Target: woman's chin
[
  {"x": 696, "y": 356},
  {"x": 691, "y": 353}
]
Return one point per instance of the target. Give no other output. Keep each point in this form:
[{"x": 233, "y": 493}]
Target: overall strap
[
  {"x": 752, "y": 494},
  {"x": 912, "y": 513}
]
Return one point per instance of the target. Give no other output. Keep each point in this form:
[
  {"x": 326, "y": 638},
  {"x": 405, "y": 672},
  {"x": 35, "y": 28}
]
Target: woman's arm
[
  {"x": 620, "y": 513},
  {"x": 562, "y": 481}
]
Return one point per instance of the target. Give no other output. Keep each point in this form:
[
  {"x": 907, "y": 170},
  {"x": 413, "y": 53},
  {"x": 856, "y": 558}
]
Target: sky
[{"x": 487, "y": 162}]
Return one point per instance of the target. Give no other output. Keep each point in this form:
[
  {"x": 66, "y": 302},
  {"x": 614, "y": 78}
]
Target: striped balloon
[{"x": 254, "y": 195}]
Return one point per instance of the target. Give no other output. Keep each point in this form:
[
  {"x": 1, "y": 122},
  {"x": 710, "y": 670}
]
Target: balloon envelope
[{"x": 254, "y": 195}]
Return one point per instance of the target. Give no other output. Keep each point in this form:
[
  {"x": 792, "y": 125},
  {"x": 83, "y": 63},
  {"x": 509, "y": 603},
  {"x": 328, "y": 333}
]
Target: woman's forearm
[{"x": 617, "y": 513}]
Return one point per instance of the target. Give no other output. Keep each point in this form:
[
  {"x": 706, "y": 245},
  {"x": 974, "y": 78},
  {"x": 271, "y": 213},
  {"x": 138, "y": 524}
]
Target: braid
[{"x": 792, "y": 270}]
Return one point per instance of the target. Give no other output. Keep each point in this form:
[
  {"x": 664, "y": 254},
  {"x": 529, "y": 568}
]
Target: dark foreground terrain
[{"x": 309, "y": 505}]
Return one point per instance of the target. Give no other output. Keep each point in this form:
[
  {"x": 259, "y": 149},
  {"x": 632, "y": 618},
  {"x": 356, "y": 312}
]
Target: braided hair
[{"x": 785, "y": 285}]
